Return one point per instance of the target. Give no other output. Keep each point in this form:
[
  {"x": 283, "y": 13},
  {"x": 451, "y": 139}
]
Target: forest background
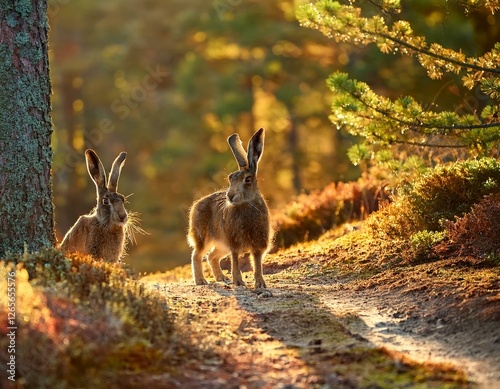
[{"x": 168, "y": 82}]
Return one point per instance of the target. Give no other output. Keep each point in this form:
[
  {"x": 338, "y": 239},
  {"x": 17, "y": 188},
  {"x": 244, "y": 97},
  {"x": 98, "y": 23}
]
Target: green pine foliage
[{"x": 385, "y": 122}]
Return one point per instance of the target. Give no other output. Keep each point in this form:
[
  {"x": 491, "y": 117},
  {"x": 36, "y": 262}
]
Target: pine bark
[{"x": 26, "y": 207}]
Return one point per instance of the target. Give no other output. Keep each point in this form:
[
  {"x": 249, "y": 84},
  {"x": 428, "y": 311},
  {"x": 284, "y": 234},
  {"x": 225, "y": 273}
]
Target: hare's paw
[
  {"x": 237, "y": 279},
  {"x": 224, "y": 279},
  {"x": 260, "y": 284},
  {"x": 239, "y": 283},
  {"x": 201, "y": 281}
]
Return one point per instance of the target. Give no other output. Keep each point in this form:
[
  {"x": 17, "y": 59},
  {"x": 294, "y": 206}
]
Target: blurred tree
[
  {"x": 26, "y": 209},
  {"x": 383, "y": 121}
]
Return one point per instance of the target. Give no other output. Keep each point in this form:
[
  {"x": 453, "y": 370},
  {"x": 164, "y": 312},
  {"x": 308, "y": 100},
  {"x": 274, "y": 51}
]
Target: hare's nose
[{"x": 123, "y": 218}]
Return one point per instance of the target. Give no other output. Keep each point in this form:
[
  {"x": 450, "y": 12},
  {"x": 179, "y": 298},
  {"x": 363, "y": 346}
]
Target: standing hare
[
  {"x": 102, "y": 233},
  {"x": 232, "y": 221}
]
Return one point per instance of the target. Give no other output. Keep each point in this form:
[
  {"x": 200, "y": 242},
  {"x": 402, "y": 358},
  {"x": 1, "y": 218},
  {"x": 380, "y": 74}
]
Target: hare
[
  {"x": 232, "y": 221},
  {"x": 102, "y": 233}
]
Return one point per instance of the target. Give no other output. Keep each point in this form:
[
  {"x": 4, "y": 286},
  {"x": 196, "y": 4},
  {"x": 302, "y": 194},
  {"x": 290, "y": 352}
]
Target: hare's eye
[
  {"x": 248, "y": 179},
  {"x": 105, "y": 201}
]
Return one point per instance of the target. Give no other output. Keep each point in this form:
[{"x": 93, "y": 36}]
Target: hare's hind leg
[
  {"x": 197, "y": 266},
  {"x": 257, "y": 269},
  {"x": 214, "y": 260},
  {"x": 235, "y": 269}
]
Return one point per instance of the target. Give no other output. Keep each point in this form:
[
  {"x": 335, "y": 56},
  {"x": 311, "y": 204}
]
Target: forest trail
[
  {"x": 321, "y": 331},
  {"x": 407, "y": 326}
]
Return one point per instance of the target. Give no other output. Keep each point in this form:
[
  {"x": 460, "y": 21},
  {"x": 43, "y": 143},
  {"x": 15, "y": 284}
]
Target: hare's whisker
[{"x": 253, "y": 206}]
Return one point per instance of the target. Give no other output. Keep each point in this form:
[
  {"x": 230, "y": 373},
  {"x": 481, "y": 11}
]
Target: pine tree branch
[
  {"x": 355, "y": 26},
  {"x": 433, "y": 145},
  {"x": 420, "y": 144},
  {"x": 421, "y": 124},
  {"x": 435, "y": 55}
]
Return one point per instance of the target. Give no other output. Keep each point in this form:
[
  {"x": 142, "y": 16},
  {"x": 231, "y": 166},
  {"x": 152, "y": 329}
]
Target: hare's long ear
[
  {"x": 255, "y": 150},
  {"x": 96, "y": 171},
  {"x": 238, "y": 150},
  {"x": 116, "y": 169}
]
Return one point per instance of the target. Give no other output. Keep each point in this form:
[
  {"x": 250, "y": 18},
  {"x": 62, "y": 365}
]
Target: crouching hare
[
  {"x": 103, "y": 233},
  {"x": 232, "y": 221}
]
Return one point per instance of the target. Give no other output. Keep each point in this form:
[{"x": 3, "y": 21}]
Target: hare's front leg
[
  {"x": 235, "y": 269},
  {"x": 257, "y": 270},
  {"x": 214, "y": 260},
  {"x": 197, "y": 267}
]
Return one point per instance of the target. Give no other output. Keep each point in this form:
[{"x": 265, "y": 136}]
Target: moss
[
  {"x": 22, "y": 38},
  {"x": 11, "y": 20},
  {"x": 24, "y": 8}
]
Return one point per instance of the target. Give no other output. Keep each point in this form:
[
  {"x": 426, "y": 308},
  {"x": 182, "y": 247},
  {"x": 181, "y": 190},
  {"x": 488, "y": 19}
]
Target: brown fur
[
  {"x": 232, "y": 221},
  {"x": 89, "y": 236},
  {"x": 102, "y": 233}
]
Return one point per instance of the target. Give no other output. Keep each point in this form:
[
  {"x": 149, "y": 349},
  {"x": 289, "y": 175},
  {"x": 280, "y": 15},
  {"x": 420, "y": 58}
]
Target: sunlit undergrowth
[
  {"x": 451, "y": 208},
  {"x": 409, "y": 227},
  {"x": 477, "y": 233},
  {"x": 439, "y": 196},
  {"x": 309, "y": 216},
  {"x": 84, "y": 323}
]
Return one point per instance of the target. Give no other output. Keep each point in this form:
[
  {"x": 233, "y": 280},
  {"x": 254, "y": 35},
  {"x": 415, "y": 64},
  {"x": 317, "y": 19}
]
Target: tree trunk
[{"x": 26, "y": 208}]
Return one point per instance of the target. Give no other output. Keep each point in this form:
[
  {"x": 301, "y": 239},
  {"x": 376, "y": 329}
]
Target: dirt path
[
  {"x": 394, "y": 322},
  {"x": 326, "y": 333}
]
